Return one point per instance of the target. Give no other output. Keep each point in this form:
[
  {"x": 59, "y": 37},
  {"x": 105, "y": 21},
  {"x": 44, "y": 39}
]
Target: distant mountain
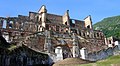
[{"x": 110, "y": 26}]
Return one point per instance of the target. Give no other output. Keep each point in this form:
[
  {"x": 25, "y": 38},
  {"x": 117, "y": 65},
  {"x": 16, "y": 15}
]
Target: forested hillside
[{"x": 110, "y": 26}]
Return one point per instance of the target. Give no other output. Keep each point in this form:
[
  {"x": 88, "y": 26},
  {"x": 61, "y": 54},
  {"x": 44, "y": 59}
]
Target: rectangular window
[{"x": 57, "y": 28}]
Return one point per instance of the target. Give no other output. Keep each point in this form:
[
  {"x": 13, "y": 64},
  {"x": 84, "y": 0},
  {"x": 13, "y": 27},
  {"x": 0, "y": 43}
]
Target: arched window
[
  {"x": 40, "y": 19},
  {"x": 109, "y": 41},
  {"x": 65, "y": 23},
  {"x": 88, "y": 26}
]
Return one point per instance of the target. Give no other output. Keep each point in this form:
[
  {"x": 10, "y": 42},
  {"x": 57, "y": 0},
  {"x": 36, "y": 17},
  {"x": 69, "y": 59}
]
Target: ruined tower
[
  {"x": 66, "y": 20},
  {"x": 42, "y": 15},
  {"x": 88, "y": 22}
]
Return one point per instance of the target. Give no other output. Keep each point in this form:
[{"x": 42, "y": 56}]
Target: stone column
[
  {"x": 83, "y": 53},
  {"x": 59, "y": 53},
  {"x": 47, "y": 45},
  {"x": 75, "y": 46}
]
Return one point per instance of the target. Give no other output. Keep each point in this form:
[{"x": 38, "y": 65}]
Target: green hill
[{"x": 110, "y": 26}]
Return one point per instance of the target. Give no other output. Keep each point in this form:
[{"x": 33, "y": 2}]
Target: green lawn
[{"x": 111, "y": 61}]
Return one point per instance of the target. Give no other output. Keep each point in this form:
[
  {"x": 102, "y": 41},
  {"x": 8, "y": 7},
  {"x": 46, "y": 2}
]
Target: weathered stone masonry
[{"x": 58, "y": 35}]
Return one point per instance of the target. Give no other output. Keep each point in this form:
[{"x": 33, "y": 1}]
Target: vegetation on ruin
[
  {"x": 110, "y": 26},
  {"x": 5, "y": 45}
]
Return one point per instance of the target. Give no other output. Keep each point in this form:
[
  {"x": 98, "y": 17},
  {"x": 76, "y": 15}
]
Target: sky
[{"x": 78, "y": 9}]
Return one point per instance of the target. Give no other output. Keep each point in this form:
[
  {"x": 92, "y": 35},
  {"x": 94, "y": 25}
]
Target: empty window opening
[
  {"x": 66, "y": 31},
  {"x": 10, "y": 33},
  {"x": 88, "y": 34},
  {"x": 113, "y": 44},
  {"x": 74, "y": 31},
  {"x": 97, "y": 34},
  {"x": 109, "y": 41},
  {"x": 88, "y": 26},
  {"x": 47, "y": 27},
  {"x": 37, "y": 18},
  {"x": 83, "y": 34},
  {"x": 65, "y": 23},
  {"x": 80, "y": 33},
  {"x": 57, "y": 28},
  {"x": 94, "y": 35},
  {"x": 22, "y": 34},
  {"x": 73, "y": 21},
  {"x": 10, "y": 24},
  {"x": 40, "y": 19},
  {"x": 61, "y": 30}
]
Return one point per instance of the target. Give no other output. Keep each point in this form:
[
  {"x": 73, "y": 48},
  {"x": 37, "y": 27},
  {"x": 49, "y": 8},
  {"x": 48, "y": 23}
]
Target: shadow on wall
[{"x": 20, "y": 56}]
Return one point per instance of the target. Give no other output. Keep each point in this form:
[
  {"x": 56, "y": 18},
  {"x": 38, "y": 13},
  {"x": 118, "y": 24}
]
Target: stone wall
[
  {"x": 104, "y": 53},
  {"x": 54, "y": 18}
]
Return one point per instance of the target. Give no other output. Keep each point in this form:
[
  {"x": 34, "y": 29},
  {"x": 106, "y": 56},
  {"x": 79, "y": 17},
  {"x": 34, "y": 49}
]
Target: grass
[
  {"x": 111, "y": 61},
  {"x": 12, "y": 47}
]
